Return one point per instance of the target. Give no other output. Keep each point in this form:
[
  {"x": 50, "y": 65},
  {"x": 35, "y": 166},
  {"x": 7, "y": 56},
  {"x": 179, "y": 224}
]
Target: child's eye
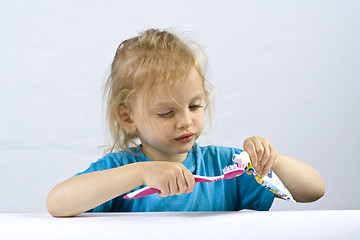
[
  {"x": 166, "y": 114},
  {"x": 195, "y": 107}
]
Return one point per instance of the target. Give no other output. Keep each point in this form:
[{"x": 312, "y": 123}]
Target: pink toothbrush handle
[
  {"x": 147, "y": 191},
  {"x": 142, "y": 192},
  {"x": 207, "y": 179}
]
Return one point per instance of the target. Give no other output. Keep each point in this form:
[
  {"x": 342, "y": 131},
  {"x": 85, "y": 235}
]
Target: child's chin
[{"x": 185, "y": 149}]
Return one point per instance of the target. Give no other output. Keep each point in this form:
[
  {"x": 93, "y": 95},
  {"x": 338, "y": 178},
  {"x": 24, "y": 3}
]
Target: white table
[{"x": 187, "y": 226}]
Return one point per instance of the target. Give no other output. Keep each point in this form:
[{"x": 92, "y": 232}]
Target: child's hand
[
  {"x": 169, "y": 177},
  {"x": 262, "y": 154}
]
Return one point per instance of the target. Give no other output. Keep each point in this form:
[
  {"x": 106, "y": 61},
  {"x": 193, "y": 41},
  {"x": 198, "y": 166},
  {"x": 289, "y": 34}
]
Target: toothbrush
[{"x": 230, "y": 171}]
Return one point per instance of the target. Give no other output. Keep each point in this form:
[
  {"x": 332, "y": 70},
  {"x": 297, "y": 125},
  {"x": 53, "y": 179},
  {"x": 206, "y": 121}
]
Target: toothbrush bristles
[{"x": 230, "y": 168}]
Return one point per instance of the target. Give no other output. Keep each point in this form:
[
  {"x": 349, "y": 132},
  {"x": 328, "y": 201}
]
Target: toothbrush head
[{"x": 232, "y": 171}]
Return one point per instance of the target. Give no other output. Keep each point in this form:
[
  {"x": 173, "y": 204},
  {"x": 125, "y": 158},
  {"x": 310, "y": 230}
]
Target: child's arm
[
  {"x": 304, "y": 183},
  {"x": 81, "y": 193}
]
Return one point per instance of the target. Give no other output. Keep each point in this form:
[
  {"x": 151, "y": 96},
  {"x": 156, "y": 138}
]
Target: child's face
[{"x": 169, "y": 125}]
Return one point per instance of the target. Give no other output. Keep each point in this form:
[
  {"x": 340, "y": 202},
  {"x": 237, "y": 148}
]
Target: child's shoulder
[
  {"x": 116, "y": 159},
  {"x": 132, "y": 154}
]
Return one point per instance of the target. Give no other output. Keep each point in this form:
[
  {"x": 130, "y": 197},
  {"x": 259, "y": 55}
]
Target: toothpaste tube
[{"x": 270, "y": 181}]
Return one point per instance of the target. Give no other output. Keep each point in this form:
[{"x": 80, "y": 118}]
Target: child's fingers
[
  {"x": 273, "y": 154},
  {"x": 164, "y": 190},
  {"x": 265, "y": 164},
  {"x": 190, "y": 181},
  {"x": 262, "y": 154},
  {"x": 173, "y": 187},
  {"x": 258, "y": 152},
  {"x": 181, "y": 184},
  {"x": 250, "y": 148},
  {"x": 270, "y": 156},
  {"x": 168, "y": 178}
]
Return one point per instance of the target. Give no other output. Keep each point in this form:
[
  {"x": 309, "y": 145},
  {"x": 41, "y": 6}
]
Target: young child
[{"x": 157, "y": 94}]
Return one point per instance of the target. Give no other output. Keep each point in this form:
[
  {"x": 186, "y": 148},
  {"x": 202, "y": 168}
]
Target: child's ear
[{"x": 124, "y": 116}]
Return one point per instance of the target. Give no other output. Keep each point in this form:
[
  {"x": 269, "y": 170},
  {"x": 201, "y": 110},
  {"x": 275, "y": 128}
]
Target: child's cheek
[{"x": 201, "y": 119}]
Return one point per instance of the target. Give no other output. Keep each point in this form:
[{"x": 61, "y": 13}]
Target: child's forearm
[
  {"x": 303, "y": 182},
  {"x": 84, "y": 192}
]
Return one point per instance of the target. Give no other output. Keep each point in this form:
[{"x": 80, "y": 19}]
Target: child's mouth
[{"x": 185, "y": 138}]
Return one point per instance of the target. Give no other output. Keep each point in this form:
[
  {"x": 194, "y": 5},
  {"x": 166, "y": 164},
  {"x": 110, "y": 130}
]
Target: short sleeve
[{"x": 109, "y": 161}]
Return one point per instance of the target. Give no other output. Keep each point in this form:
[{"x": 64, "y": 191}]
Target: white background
[{"x": 285, "y": 70}]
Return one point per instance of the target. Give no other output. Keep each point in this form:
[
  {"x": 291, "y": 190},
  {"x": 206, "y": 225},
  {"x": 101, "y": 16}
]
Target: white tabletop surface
[{"x": 290, "y": 225}]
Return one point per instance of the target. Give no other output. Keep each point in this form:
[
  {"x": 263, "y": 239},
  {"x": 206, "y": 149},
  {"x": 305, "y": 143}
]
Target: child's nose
[{"x": 185, "y": 120}]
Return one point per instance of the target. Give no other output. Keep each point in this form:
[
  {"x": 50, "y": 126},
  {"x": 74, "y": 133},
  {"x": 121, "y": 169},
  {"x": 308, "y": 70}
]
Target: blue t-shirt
[{"x": 239, "y": 193}]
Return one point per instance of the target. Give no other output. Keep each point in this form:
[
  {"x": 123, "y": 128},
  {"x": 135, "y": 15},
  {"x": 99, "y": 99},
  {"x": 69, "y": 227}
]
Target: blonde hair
[{"x": 151, "y": 59}]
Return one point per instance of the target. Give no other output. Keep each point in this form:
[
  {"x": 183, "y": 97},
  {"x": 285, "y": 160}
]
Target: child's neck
[{"x": 161, "y": 156}]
